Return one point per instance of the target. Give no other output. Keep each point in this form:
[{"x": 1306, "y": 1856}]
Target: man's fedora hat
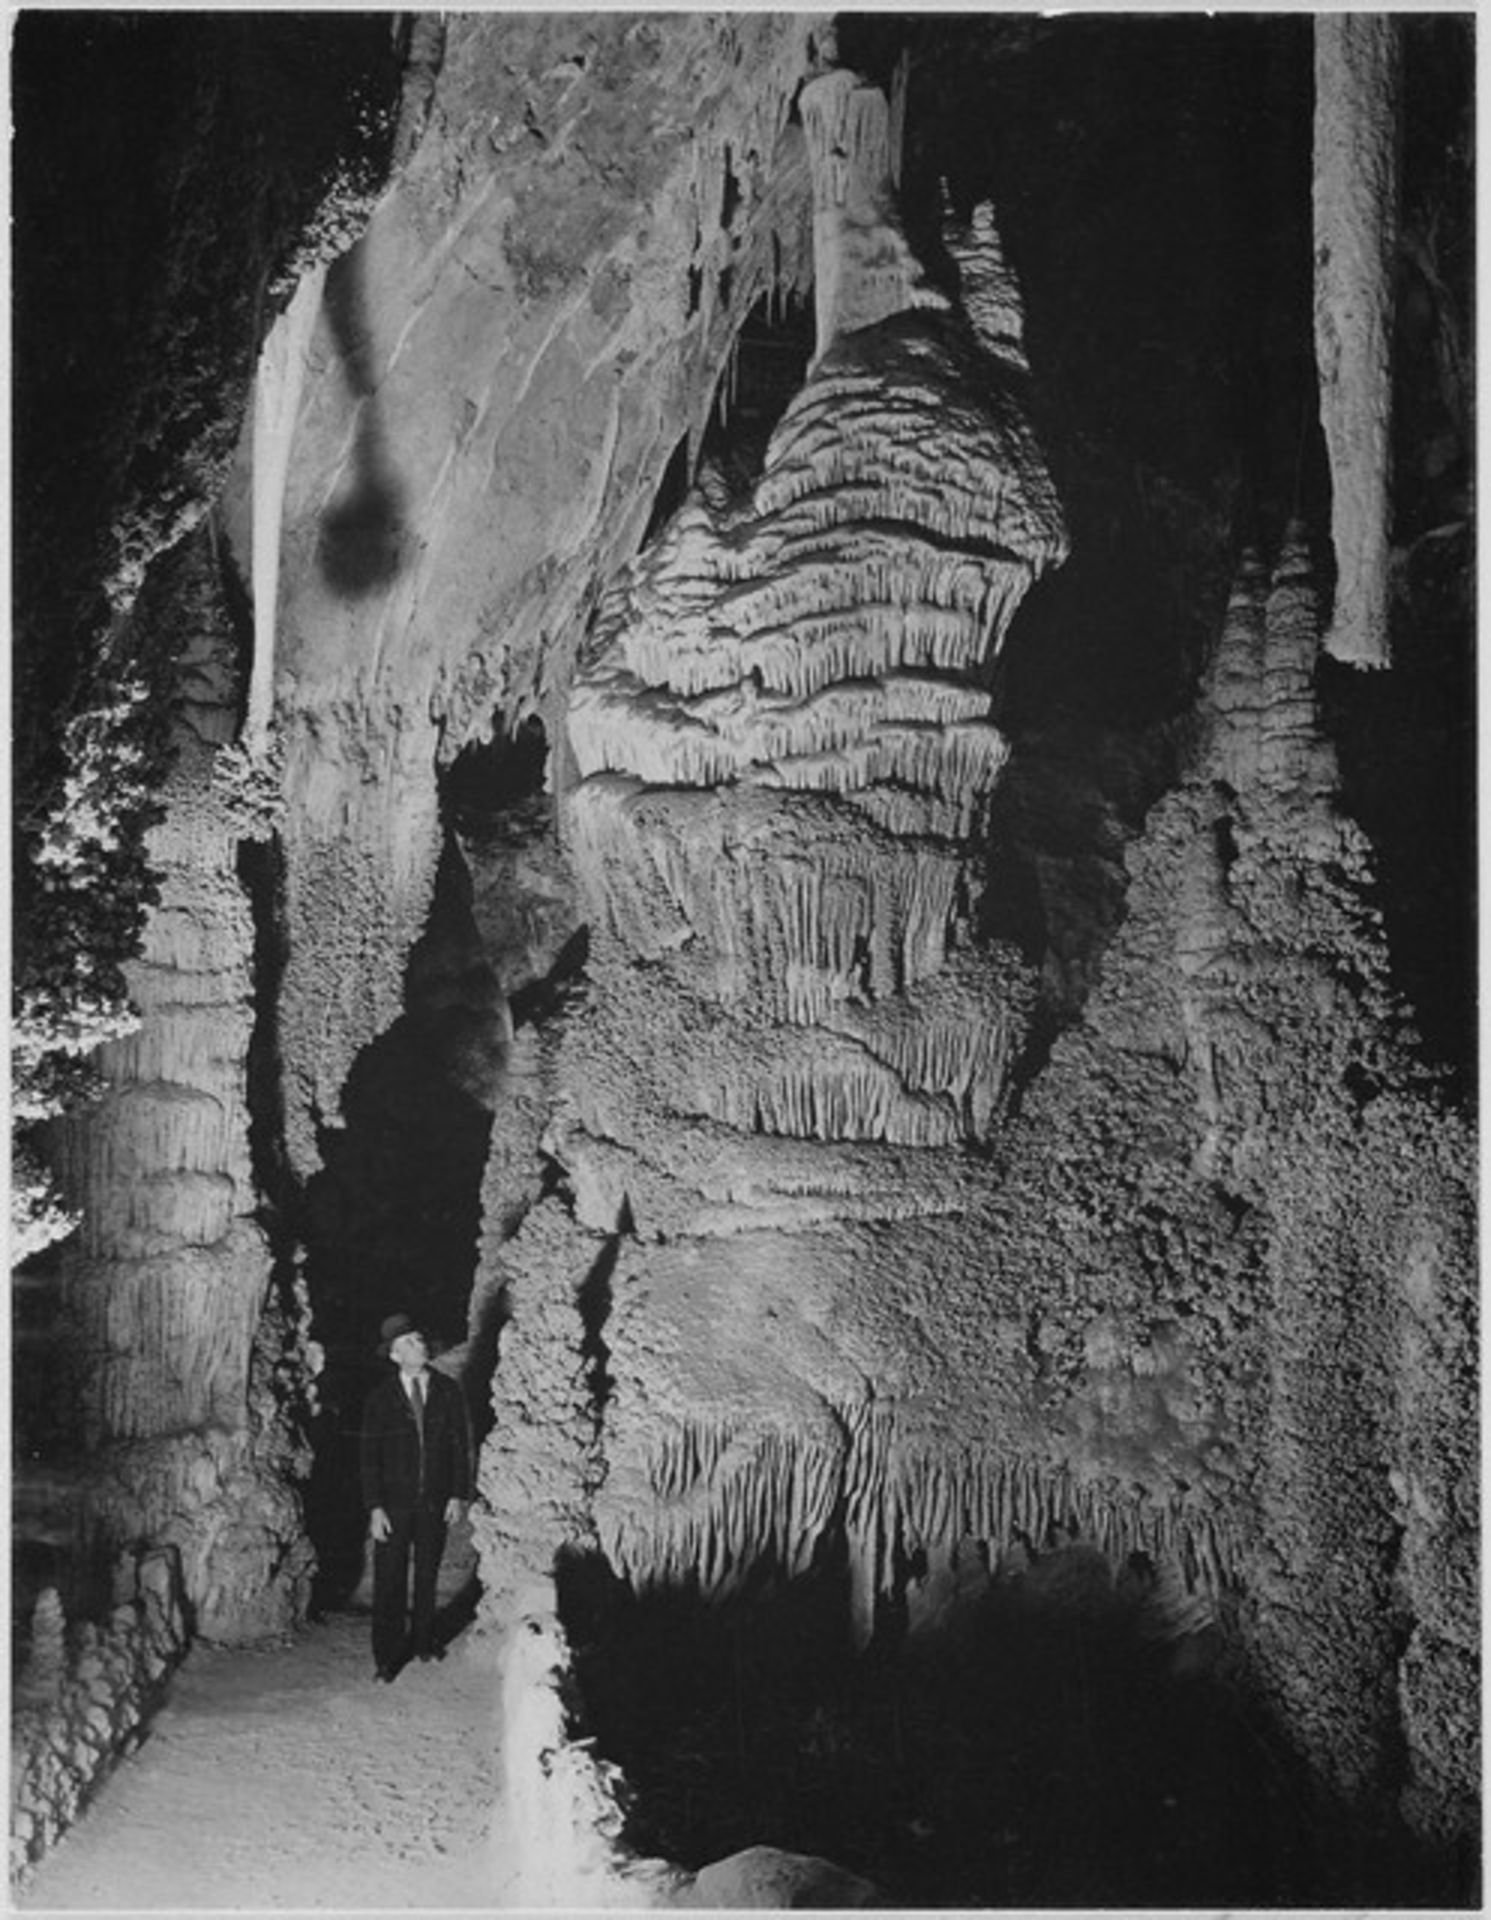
[{"x": 394, "y": 1328}]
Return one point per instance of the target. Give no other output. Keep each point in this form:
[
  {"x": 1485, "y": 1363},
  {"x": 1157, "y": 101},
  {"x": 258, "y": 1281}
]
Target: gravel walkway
[{"x": 287, "y": 1779}]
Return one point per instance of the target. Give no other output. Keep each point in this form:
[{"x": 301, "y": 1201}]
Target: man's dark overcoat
[{"x": 394, "y": 1476}]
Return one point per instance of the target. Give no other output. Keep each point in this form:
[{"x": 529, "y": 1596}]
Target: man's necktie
[{"x": 417, "y": 1401}]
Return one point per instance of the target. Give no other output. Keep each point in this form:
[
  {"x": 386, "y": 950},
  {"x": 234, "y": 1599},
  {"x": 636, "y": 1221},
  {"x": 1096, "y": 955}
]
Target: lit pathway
[{"x": 286, "y": 1779}]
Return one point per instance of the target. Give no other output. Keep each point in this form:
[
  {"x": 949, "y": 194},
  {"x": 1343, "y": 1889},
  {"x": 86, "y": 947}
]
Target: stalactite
[
  {"x": 1358, "y": 60},
  {"x": 775, "y": 1498},
  {"x": 276, "y": 403}
]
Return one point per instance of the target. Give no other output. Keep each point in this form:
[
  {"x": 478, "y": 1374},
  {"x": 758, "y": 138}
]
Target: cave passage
[
  {"x": 395, "y": 1217},
  {"x": 394, "y": 1213}
]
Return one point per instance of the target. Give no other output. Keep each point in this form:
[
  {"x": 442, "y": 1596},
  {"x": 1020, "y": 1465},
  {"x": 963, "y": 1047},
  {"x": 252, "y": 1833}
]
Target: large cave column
[
  {"x": 790, "y": 1043},
  {"x": 498, "y": 376},
  {"x": 184, "y": 1354}
]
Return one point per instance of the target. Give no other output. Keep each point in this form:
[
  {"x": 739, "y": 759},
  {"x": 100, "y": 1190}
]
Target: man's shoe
[
  {"x": 431, "y": 1653},
  {"x": 384, "y": 1673}
]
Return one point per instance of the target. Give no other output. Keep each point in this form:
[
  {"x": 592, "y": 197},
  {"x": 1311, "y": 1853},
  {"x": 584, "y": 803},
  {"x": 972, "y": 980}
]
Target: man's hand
[
  {"x": 382, "y": 1526},
  {"x": 455, "y": 1512}
]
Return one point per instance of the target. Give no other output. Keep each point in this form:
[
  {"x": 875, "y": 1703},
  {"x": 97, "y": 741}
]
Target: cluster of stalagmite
[
  {"x": 781, "y": 730},
  {"x": 166, "y": 1287},
  {"x": 1236, "y": 1157}
]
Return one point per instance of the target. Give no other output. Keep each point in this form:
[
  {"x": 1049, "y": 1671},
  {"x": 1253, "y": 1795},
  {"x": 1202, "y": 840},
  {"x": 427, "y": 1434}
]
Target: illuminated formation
[{"x": 782, "y": 739}]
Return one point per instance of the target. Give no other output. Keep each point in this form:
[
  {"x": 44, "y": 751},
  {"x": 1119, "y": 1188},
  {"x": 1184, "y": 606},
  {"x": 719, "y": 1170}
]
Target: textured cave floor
[{"x": 286, "y": 1779}]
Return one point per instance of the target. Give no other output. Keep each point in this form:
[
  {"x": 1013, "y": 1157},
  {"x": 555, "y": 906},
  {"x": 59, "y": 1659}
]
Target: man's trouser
[{"x": 417, "y": 1533}]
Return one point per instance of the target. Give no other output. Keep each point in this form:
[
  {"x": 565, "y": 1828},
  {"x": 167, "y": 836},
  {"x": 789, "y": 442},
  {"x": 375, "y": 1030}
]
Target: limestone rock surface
[{"x": 500, "y": 374}]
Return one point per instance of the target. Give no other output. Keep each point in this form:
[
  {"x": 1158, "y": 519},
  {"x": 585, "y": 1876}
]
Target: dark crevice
[
  {"x": 238, "y": 604},
  {"x": 672, "y": 490},
  {"x": 488, "y": 779},
  {"x": 594, "y": 1300},
  {"x": 730, "y": 197},
  {"x": 261, "y": 873}
]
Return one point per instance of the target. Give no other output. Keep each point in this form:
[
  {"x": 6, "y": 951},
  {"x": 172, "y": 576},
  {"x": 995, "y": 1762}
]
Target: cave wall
[{"x": 502, "y": 370}]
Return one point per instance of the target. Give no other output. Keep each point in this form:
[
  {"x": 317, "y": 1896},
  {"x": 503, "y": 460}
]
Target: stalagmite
[
  {"x": 1357, "y": 81},
  {"x": 990, "y": 296},
  {"x": 783, "y": 740}
]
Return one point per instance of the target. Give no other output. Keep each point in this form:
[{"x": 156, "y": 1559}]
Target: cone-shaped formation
[
  {"x": 990, "y": 295},
  {"x": 783, "y": 740}
]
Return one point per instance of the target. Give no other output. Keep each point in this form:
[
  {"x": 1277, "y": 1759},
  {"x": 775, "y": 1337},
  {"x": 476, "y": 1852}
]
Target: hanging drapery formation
[{"x": 784, "y": 752}]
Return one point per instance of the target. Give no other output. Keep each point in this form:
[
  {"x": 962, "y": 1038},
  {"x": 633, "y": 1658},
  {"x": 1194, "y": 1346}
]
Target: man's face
[{"x": 410, "y": 1351}]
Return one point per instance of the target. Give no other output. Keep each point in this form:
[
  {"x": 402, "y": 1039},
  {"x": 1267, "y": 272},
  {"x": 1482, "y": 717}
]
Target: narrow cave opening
[
  {"x": 1043, "y": 1742},
  {"x": 763, "y": 370},
  {"x": 499, "y": 805}
]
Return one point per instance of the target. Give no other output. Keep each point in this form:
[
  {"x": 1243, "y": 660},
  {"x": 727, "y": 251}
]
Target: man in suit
[{"x": 416, "y": 1481}]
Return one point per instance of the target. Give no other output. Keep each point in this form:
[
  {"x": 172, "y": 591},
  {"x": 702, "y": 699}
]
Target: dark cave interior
[
  {"x": 1040, "y": 1745},
  {"x": 1152, "y": 182}
]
